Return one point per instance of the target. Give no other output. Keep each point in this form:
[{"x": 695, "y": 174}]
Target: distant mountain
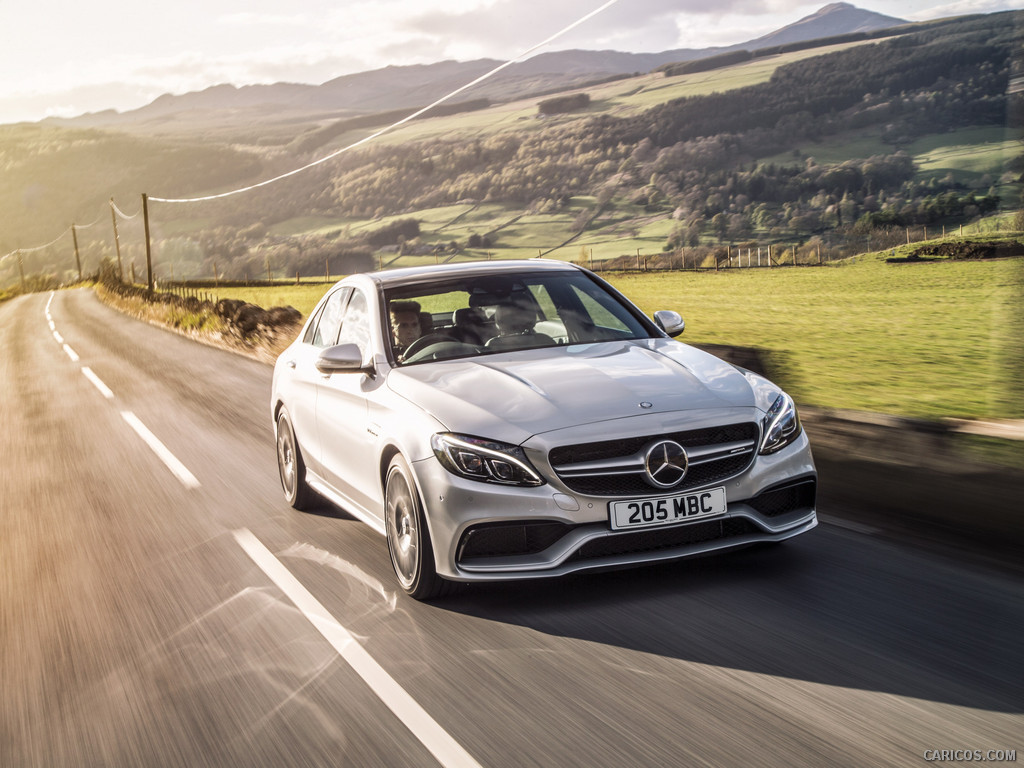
[
  {"x": 412, "y": 86},
  {"x": 834, "y": 19}
]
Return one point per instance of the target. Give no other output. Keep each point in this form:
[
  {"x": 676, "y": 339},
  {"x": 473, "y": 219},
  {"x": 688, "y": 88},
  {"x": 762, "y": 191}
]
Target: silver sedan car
[{"x": 523, "y": 419}]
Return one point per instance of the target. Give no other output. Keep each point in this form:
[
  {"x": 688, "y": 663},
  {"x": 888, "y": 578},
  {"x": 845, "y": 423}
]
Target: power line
[
  {"x": 52, "y": 242},
  {"x": 122, "y": 214},
  {"x": 331, "y": 156},
  {"x": 394, "y": 125},
  {"x": 37, "y": 248}
]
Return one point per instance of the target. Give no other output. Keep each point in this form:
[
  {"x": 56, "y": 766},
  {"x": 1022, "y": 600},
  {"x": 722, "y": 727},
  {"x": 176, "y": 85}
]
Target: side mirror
[
  {"x": 670, "y": 322},
  {"x": 343, "y": 358}
]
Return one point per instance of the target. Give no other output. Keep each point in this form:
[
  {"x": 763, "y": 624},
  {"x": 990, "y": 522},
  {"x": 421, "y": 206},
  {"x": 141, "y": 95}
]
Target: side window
[
  {"x": 355, "y": 326},
  {"x": 544, "y": 301},
  {"x": 330, "y": 319},
  {"x": 312, "y": 327},
  {"x": 601, "y": 315}
]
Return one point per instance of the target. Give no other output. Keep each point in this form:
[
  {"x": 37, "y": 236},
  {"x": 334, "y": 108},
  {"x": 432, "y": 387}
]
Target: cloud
[
  {"x": 501, "y": 29},
  {"x": 961, "y": 8},
  {"x": 245, "y": 19}
]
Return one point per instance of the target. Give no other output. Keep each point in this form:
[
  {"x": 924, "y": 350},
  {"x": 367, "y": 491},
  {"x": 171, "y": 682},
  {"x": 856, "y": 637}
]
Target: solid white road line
[
  {"x": 71, "y": 353},
  {"x": 440, "y": 743},
  {"x": 103, "y": 388},
  {"x": 177, "y": 468}
]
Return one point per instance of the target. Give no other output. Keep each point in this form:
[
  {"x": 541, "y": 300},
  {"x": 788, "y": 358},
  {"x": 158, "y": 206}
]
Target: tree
[{"x": 720, "y": 225}]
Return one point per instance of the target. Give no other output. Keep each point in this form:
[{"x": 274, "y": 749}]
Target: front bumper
[{"x": 486, "y": 532}]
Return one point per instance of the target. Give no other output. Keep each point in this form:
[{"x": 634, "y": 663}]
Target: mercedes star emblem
[{"x": 666, "y": 464}]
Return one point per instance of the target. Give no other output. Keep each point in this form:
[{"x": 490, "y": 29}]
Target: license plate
[{"x": 668, "y": 510}]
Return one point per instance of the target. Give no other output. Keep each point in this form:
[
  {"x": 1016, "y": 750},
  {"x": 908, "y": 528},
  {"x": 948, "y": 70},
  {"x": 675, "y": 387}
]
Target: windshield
[{"x": 502, "y": 313}]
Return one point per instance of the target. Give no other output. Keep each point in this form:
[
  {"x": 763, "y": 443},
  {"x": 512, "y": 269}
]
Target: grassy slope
[
  {"x": 931, "y": 340},
  {"x": 967, "y": 153}
]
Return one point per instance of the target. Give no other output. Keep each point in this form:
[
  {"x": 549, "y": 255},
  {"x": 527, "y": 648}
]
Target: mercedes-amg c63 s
[{"x": 512, "y": 420}]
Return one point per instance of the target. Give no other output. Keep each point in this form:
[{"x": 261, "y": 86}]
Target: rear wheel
[
  {"x": 291, "y": 467},
  {"x": 408, "y": 537}
]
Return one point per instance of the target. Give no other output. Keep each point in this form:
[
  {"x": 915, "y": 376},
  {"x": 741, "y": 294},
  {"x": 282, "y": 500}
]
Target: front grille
[
  {"x": 784, "y": 499},
  {"x": 616, "y": 467},
  {"x": 509, "y": 539},
  {"x": 640, "y": 542}
]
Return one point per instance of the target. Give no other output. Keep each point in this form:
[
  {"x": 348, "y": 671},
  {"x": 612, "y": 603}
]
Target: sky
[{"x": 68, "y": 57}]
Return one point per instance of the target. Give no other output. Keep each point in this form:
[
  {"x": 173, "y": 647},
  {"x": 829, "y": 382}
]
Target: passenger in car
[{"x": 515, "y": 324}]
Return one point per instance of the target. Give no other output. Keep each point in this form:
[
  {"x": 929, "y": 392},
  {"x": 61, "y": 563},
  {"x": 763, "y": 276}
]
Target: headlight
[
  {"x": 484, "y": 460},
  {"x": 780, "y": 426}
]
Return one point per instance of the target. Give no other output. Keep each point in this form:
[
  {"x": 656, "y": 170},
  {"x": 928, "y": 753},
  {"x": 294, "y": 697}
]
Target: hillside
[{"x": 655, "y": 161}]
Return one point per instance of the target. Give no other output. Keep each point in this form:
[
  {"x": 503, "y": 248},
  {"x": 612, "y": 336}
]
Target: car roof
[{"x": 406, "y": 275}]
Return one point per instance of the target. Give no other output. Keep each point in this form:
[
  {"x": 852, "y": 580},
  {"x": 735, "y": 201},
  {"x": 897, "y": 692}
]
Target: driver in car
[{"x": 405, "y": 325}]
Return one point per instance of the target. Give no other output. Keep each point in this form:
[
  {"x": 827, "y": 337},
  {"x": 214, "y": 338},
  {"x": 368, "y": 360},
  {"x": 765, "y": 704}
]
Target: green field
[
  {"x": 936, "y": 339},
  {"x": 968, "y": 153},
  {"x": 932, "y": 340}
]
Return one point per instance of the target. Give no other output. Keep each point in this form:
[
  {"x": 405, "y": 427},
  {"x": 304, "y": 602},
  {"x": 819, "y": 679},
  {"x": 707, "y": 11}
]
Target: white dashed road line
[
  {"x": 442, "y": 746},
  {"x": 178, "y": 469},
  {"x": 97, "y": 382}
]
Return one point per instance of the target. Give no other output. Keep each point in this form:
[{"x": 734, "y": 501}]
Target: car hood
[{"x": 513, "y": 396}]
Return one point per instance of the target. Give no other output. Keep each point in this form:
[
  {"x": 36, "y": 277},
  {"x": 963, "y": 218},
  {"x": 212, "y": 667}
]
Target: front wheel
[
  {"x": 408, "y": 537},
  {"x": 291, "y": 467}
]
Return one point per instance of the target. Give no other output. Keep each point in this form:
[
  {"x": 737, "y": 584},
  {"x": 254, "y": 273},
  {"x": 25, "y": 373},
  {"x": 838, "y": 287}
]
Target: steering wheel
[{"x": 425, "y": 341}]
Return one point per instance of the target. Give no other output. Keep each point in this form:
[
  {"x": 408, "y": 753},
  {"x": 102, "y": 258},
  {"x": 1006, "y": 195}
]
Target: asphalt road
[{"x": 136, "y": 630}]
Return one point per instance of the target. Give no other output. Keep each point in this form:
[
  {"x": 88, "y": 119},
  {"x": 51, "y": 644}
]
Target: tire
[
  {"x": 412, "y": 555},
  {"x": 290, "y": 466}
]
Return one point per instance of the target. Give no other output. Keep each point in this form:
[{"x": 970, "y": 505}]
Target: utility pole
[
  {"x": 78, "y": 259},
  {"x": 117, "y": 242},
  {"x": 149, "y": 251}
]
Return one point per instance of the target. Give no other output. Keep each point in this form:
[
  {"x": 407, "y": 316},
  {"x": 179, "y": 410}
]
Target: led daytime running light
[
  {"x": 484, "y": 460},
  {"x": 781, "y": 425}
]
